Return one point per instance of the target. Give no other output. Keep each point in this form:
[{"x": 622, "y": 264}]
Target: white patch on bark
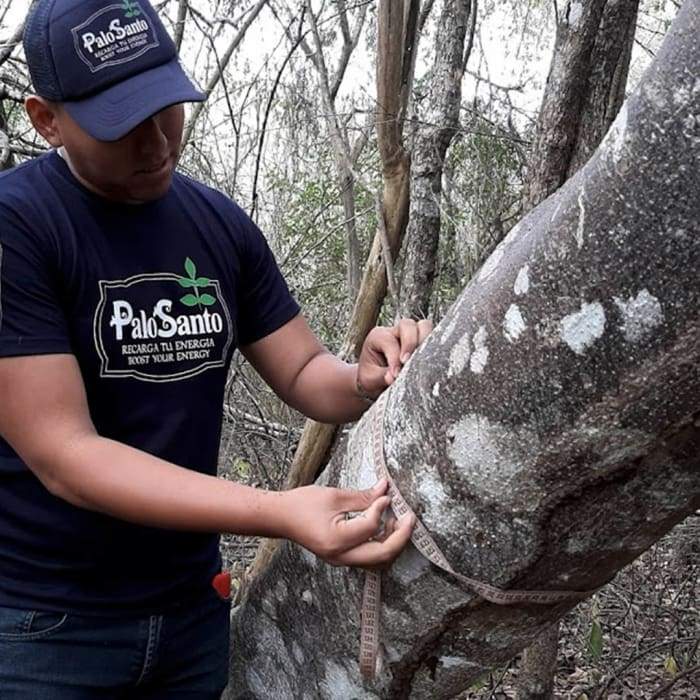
[
  {"x": 434, "y": 498},
  {"x": 614, "y": 140},
  {"x": 409, "y": 566},
  {"x": 281, "y": 590},
  {"x": 513, "y": 323},
  {"x": 307, "y": 597},
  {"x": 481, "y": 352},
  {"x": 459, "y": 356},
  {"x": 449, "y": 330},
  {"x": 297, "y": 652},
  {"x": 337, "y": 683},
  {"x": 360, "y": 474},
  {"x": 575, "y": 12},
  {"x": 489, "y": 267},
  {"x": 522, "y": 281},
  {"x": 436, "y": 389},
  {"x": 582, "y": 328},
  {"x": 493, "y": 457},
  {"x": 451, "y": 661},
  {"x": 580, "y": 227},
  {"x": 556, "y": 211},
  {"x": 640, "y": 315}
]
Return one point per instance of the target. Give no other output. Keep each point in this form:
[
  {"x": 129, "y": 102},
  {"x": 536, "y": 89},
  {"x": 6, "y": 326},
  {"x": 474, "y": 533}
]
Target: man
[{"x": 124, "y": 289}]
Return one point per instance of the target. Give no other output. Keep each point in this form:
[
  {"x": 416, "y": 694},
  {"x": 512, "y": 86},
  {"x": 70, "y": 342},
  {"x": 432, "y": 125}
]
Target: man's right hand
[{"x": 317, "y": 519}]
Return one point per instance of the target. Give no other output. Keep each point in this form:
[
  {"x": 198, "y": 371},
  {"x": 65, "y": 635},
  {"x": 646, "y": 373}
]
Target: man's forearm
[
  {"x": 326, "y": 390},
  {"x": 107, "y": 476},
  {"x": 137, "y": 487}
]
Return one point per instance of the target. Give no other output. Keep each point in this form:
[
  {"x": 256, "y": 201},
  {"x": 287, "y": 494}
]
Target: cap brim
[{"x": 114, "y": 112}]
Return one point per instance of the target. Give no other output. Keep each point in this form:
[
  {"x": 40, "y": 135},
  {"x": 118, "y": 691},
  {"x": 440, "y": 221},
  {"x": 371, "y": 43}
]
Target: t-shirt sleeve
[
  {"x": 266, "y": 303},
  {"x": 31, "y": 320}
]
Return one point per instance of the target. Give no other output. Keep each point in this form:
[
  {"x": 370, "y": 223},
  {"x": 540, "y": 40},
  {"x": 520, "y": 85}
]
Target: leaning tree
[{"x": 546, "y": 433}]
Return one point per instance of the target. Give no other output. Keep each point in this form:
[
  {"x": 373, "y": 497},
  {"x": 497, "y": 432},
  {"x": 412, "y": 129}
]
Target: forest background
[{"x": 289, "y": 132}]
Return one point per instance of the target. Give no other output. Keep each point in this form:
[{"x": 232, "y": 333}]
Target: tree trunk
[
  {"x": 537, "y": 666},
  {"x": 558, "y": 122},
  {"x": 439, "y": 123},
  {"x": 600, "y": 103},
  {"x": 607, "y": 79},
  {"x": 547, "y": 432}
]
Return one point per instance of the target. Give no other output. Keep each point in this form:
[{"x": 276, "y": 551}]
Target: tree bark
[
  {"x": 537, "y": 666},
  {"x": 607, "y": 79},
  {"x": 600, "y": 103},
  {"x": 559, "y": 118},
  {"x": 439, "y": 123},
  {"x": 547, "y": 432}
]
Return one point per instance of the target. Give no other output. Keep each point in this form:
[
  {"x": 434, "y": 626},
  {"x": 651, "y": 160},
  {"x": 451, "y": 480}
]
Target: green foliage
[
  {"x": 595, "y": 640},
  {"x": 483, "y": 174},
  {"x": 595, "y": 636}
]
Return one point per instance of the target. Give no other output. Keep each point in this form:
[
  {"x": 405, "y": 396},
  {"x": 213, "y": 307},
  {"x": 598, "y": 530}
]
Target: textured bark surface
[
  {"x": 607, "y": 80},
  {"x": 547, "y": 432},
  {"x": 439, "y": 123},
  {"x": 538, "y": 663},
  {"x": 567, "y": 84},
  {"x": 600, "y": 103}
]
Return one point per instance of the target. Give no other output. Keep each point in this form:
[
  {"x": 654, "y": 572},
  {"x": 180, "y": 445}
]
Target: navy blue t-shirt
[{"x": 151, "y": 299}]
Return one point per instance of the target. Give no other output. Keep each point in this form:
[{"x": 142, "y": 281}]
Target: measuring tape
[{"x": 424, "y": 543}]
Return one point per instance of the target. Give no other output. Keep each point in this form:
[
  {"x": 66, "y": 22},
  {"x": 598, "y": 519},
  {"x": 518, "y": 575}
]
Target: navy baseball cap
[{"x": 111, "y": 63}]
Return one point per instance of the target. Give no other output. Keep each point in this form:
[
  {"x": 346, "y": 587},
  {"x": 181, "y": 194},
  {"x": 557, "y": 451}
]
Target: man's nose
[{"x": 149, "y": 136}]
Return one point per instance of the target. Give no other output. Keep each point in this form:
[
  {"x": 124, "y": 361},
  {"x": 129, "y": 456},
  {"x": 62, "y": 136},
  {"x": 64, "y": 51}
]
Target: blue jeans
[{"x": 182, "y": 655}]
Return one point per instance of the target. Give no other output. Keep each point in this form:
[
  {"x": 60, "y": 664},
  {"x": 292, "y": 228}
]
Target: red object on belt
[{"x": 222, "y": 584}]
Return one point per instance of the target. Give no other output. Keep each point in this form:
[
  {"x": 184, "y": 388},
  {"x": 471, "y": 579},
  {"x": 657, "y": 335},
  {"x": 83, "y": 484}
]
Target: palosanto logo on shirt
[{"x": 162, "y": 327}]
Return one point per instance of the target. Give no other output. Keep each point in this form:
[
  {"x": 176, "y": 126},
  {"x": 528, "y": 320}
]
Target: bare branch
[
  {"x": 223, "y": 64},
  {"x": 9, "y": 45},
  {"x": 182, "y": 8}
]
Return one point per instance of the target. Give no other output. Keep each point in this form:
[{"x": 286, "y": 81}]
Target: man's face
[{"x": 138, "y": 167}]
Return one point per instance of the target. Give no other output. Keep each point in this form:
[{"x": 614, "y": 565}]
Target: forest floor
[{"x": 637, "y": 639}]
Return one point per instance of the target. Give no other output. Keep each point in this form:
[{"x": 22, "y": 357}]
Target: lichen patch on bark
[
  {"x": 480, "y": 356},
  {"x": 582, "y": 328},
  {"x": 640, "y": 315},
  {"x": 513, "y": 323},
  {"x": 522, "y": 281}
]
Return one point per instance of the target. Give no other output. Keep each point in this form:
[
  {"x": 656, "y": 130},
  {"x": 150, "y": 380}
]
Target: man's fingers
[
  {"x": 425, "y": 328},
  {"x": 365, "y": 525},
  {"x": 354, "y": 501},
  {"x": 378, "y": 554},
  {"x": 408, "y": 337},
  {"x": 388, "y": 343}
]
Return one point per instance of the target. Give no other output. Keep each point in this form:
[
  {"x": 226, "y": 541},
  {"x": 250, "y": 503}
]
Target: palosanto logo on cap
[{"x": 116, "y": 34}]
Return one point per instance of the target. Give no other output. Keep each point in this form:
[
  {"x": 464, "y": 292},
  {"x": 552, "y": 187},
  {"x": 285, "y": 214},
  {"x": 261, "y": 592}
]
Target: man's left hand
[{"x": 386, "y": 350}]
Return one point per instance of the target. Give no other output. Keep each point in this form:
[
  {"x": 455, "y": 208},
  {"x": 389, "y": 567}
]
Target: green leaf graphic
[
  {"x": 130, "y": 9},
  {"x": 203, "y": 281},
  {"x": 190, "y": 268},
  {"x": 207, "y": 299},
  {"x": 189, "y": 300},
  {"x": 595, "y": 640},
  {"x": 184, "y": 282}
]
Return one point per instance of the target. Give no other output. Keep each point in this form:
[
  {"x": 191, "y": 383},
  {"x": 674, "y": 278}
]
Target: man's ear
[{"x": 43, "y": 115}]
